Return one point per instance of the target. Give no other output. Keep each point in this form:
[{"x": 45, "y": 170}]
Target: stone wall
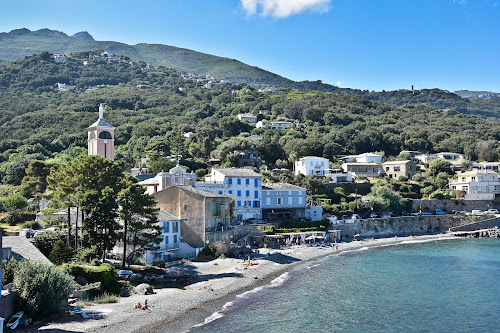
[
  {"x": 486, "y": 224},
  {"x": 406, "y": 225},
  {"x": 449, "y": 205},
  {"x": 8, "y": 304}
]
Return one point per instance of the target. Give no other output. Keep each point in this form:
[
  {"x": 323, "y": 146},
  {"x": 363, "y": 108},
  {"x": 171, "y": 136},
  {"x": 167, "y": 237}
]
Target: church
[{"x": 101, "y": 138}]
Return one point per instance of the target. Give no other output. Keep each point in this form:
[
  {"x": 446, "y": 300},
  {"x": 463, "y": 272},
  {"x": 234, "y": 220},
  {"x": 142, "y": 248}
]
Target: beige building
[
  {"x": 101, "y": 137},
  {"x": 362, "y": 169},
  {"x": 477, "y": 184},
  {"x": 205, "y": 216},
  {"x": 396, "y": 169},
  {"x": 175, "y": 176}
]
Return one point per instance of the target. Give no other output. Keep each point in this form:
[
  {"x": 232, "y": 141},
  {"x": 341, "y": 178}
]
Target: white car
[{"x": 492, "y": 211}]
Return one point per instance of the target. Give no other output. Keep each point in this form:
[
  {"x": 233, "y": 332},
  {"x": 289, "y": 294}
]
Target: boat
[{"x": 14, "y": 320}]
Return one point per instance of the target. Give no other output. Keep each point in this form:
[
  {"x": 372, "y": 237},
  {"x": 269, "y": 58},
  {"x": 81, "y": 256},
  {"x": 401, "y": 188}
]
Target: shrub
[
  {"x": 87, "y": 254},
  {"x": 9, "y": 269},
  {"x": 96, "y": 262},
  {"x": 209, "y": 251},
  {"x": 32, "y": 225},
  {"x": 104, "y": 274},
  {"x": 106, "y": 298},
  {"x": 61, "y": 253},
  {"x": 46, "y": 241},
  {"x": 42, "y": 287}
]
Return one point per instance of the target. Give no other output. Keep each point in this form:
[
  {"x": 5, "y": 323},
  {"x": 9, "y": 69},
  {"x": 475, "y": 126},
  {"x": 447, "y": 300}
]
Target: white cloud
[{"x": 284, "y": 8}]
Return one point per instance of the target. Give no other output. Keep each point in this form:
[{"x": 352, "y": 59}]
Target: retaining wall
[
  {"x": 449, "y": 205},
  {"x": 486, "y": 224},
  {"x": 406, "y": 225}
]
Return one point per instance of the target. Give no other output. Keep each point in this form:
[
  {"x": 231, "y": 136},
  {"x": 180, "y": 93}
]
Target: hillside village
[{"x": 227, "y": 171}]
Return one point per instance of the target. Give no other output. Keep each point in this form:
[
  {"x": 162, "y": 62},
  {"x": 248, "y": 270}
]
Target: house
[
  {"x": 450, "y": 156},
  {"x": 244, "y": 185},
  {"x": 276, "y": 172},
  {"x": 396, "y": 169},
  {"x": 337, "y": 176},
  {"x": 249, "y": 158},
  {"x": 61, "y": 86},
  {"x": 486, "y": 166},
  {"x": 363, "y": 158},
  {"x": 60, "y": 58},
  {"x": 362, "y": 169},
  {"x": 171, "y": 245},
  {"x": 368, "y": 158},
  {"x": 175, "y": 176},
  {"x": 425, "y": 158},
  {"x": 275, "y": 125},
  {"x": 477, "y": 184},
  {"x": 283, "y": 201},
  {"x": 247, "y": 117},
  {"x": 315, "y": 213},
  {"x": 204, "y": 216},
  {"x": 312, "y": 166}
]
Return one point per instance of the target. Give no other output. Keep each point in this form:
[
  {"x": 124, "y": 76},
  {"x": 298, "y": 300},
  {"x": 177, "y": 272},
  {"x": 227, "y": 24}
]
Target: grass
[
  {"x": 7, "y": 227},
  {"x": 102, "y": 299}
]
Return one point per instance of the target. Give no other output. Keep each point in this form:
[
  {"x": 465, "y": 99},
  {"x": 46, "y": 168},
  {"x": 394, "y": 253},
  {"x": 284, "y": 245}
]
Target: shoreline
[{"x": 219, "y": 282}]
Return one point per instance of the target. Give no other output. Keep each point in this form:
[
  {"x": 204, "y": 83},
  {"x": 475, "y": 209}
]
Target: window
[
  {"x": 220, "y": 192},
  {"x": 208, "y": 205},
  {"x": 247, "y": 181},
  {"x": 231, "y": 192},
  {"x": 230, "y": 181},
  {"x": 239, "y": 181},
  {"x": 268, "y": 201},
  {"x": 167, "y": 227},
  {"x": 280, "y": 201},
  {"x": 256, "y": 182},
  {"x": 396, "y": 168},
  {"x": 247, "y": 193},
  {"x": 239, "y": 203},
  {"x": 300, "y": 200},
  {"x": 239, "y": 193},
  {"x": 256, "y": 204},
  {"x": 256, "y": 194},
  {"x": 166, "y": 240},
  {"x": 186, "y": 207},
  {"x": 175, "y": 239},
  {"x": 175, "y": 227},
  {"x": 289, "y": 200}
]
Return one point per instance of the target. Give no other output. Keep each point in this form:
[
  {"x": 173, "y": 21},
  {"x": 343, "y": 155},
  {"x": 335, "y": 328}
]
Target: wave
[
  {"x": 365, "y": 248},
  {"x": 312, "y": 266}
]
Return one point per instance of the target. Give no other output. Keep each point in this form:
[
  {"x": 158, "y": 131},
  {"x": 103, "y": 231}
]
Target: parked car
[
  {"x": 492, "y": 211},
  {"x": 374, "y": 216},
  {"x": 404, "y": 214},
  {"x": 416, "y": 213},
  {"x": 426, "y": 213},
  {"x": 477, "y": 212},
  {"x": 345, "y": 217},
  {"x": 355, "y": 217},
  {"x": 439, "y": 212},
  {"x": 386, "y": 215}
]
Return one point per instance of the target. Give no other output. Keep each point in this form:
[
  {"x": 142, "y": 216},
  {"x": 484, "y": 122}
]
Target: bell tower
[{"x": 102, "y": 137}]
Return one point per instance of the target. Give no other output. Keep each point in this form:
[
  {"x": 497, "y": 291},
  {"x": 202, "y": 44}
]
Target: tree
[
  {"x": 14, "y": 202},
  {"x": 439, "y": 165},
  {"x": 35, "y": 182},
  {"x": 42, "y": 288},
  {"x": 384, "y": 199},
  {"x": 61, "y": 253},
  {"x": 138, "y": 215},
  {"x": 100, "y": 225}
]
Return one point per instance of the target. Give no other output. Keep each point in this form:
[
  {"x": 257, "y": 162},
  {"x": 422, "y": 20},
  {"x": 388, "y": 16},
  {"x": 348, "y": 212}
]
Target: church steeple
[{"x": 101, "y": 137}]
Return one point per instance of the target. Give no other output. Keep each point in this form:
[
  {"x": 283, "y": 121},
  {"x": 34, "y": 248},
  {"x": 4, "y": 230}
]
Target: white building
[
  {"x": 337, "y": 176},
  {"x": 60, "y": 58},
  {"x": 477, "y": 184},
  {"x": 62, "y": 87},
  {"x": 312, "y": 166},
  {"x": 368, "y": 158},
  {"x": 486, "y": 166},
  {"x": 248, "y": 117},
  {"x": 450, "y": 156},
  {"x": 244, "y": 185},
  {"x": 175, "y": 176},
  {"x": 275, "y": 125}
]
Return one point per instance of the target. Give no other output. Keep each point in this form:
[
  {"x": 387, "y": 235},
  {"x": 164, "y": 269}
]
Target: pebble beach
[{"x": 218, "y": 282}]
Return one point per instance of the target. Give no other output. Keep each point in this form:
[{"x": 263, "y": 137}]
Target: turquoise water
[{"x": 451, "y": 286}]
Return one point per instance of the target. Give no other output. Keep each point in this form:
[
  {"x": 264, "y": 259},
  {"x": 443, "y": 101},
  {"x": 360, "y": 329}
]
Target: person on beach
[{"x": 138, "y": 306}]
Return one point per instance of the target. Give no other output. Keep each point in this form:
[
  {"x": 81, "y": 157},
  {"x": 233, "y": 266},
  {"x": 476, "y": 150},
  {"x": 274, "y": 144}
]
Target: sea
[{"x": 417, "y": 286}]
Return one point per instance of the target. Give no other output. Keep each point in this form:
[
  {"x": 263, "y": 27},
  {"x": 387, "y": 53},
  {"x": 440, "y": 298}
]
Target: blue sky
[{"x": 364, "y": 44}]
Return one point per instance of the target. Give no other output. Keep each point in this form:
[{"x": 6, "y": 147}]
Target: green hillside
[
  {"x": 151, "y": 111},
  {"x": 23, "y": 42}
]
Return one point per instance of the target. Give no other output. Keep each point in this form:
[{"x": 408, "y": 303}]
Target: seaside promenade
[{"x": 218, "y": 282}]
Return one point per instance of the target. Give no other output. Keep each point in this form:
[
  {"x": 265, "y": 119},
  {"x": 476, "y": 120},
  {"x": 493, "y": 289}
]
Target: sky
[{"x": 362, "y": 44}]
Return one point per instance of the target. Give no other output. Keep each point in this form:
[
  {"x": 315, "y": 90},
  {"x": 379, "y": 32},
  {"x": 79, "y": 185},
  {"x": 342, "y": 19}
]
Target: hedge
[{"x": 104, "y": 274}]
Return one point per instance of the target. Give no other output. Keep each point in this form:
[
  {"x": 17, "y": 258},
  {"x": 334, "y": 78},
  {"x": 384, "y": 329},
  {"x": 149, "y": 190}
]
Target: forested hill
[
  {"x": 152, "y": 109},
  {"x": 23, "y": 42}
]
